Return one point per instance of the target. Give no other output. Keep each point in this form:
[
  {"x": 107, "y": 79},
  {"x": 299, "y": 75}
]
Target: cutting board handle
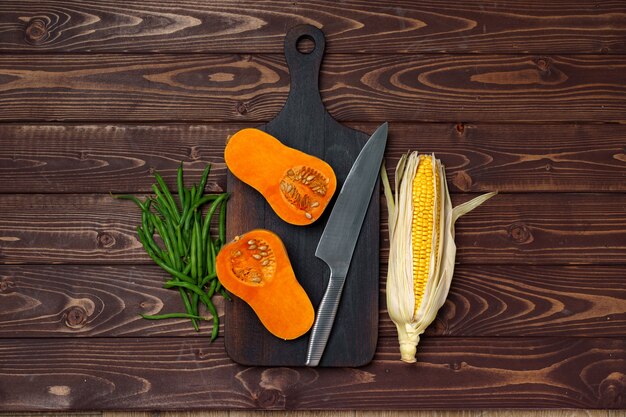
[{"x": 304, "y": 70}]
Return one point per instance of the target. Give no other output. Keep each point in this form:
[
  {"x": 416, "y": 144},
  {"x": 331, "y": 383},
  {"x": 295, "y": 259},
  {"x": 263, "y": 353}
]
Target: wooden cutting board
[{"x": 304, "y": 124}]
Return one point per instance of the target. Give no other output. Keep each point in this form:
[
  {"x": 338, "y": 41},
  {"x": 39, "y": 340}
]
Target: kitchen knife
[{"x": 341, "y": 233}]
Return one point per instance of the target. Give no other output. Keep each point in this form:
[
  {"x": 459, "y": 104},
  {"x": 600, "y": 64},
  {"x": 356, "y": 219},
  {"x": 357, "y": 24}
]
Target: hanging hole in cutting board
[{"x": 305, "y": 44}]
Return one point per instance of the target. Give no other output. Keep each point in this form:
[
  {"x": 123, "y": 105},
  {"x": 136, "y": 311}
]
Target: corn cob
[{"x": 422, "y": 249}]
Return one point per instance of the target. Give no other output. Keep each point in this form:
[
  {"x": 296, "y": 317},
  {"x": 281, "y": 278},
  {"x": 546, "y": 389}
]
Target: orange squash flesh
[
  {"x": 255, "y": 267},
  {"x": 296, "y": 185}
]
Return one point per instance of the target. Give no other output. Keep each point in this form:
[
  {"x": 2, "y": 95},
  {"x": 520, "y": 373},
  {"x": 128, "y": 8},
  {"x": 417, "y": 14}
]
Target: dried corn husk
[{"x": 410, "y": 315}]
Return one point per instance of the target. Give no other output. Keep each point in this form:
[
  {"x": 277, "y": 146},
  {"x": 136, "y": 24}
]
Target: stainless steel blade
[
  {"x": 336, "y": 246},
  {"x": 344, "y": 224}
]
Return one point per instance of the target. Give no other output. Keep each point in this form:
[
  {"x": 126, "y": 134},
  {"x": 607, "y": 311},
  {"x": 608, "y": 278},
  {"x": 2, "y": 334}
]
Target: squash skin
[
  {"x": 280, "y": 174},
  {"x": 278, "y": 299}
]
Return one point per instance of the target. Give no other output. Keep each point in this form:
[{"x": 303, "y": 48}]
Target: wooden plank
[
  {"x": 496, "y": 300},
  {"x": 81, "y": 301},
  {"x": 545, "y": 413},
  {"x": 105, "y": 301},
  {"x": 54, "y": 414},
  {"x": 354, "y": 87},
  {"x": 459, "y": 413},
  {"x": 391, "y": 27},
  {"x": 175, "y": 373},
  {"x": 565, "y": 228},
  {"x": 62, "y": 158}
]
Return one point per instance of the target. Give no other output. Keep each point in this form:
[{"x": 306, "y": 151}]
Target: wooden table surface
[{"x": 526, "y": 97}]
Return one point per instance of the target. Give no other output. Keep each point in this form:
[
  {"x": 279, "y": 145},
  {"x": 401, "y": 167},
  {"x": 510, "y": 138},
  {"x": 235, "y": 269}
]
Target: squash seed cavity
[
  {"x": 253, "y": 262},
  {"x": 301, "y": 185}
]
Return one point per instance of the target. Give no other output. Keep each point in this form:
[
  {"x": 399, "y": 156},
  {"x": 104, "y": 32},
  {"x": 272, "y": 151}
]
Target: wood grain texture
[
  {"x": 567, "y": 228},
  {"x": 353, "y": 26},
  {"x": 463, "y": 413},
  {"x": 443, "y": 88},
  {"x": 83, "y": 301},
  {"x": 102, "y": 158},
  {"x": 173, "y": 373},
  {"x": 104, "y": 301}
]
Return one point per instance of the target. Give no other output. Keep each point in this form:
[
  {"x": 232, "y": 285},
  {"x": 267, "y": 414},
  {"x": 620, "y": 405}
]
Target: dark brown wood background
[{"x": 527, "y": 97}]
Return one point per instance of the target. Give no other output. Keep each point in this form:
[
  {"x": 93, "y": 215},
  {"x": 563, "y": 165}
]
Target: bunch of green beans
[{"x": 186, "y": 250}]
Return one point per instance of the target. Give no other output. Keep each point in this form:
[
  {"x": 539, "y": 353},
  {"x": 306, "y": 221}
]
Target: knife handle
[{"x": 324, "y": 321}]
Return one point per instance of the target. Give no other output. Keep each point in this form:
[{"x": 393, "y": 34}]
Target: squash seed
[
  {"x": 308, "y": 215},
  {"x": 256, "y": 256},
  {"x": 263, "y": 247},
  {"x": 315, "y": 204},
  {"x": 251, "y": 242},
  {"x": 252, "y": 247}
]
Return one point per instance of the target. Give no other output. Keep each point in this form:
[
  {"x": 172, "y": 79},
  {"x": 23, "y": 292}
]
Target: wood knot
[
  {"x": 268, "y": 398},
  {"x": 194, "y": 153},
  {"x": 457, "y": 366},
  {"x": 75, "y": 317},
  {"x": 5, "y": 285},
  {"x": 242, "y": 107},
  {"x": 460, "y": 128},
  {"x": 520, "y": 233},
  {"x": 462, "y": 181},
  {"x": 612, "y": 390},
  {"x": 36, "y": 31},
  {"x": 542, "y": 64},
  {"x": 105, "y": 240}
]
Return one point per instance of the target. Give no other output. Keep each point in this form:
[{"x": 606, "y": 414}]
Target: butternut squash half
[
  {"x": 255, "y": 267},
  {"x": 296, "y": 185}
]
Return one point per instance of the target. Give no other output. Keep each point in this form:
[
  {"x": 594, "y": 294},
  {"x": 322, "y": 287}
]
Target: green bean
[
  {"x": 205, "y": 176},
  {"x": 129, "y": 197},
  {"x": 210, "y": 256},
  {"x": 212, "y": 288},
  {"x": 216, "y": 319},
  {"x": 197, "y": 204},
  {"x": 193, "y": 259},
  {"x": 199, "y": 248},
  {"x": 207, "y": 219},
  {"x": 225, "y": 294},
  {"x": 206, "y": 279},
  {"x": 189, "y": 307},
  {"x": 223, "y": 220},
  {"x": 189, "y": 286},
  {"x": 172, "y": 235},
  {"x": 181, "y": 187},
  {"x": 164, "y": 214},
  {"x": 182, "y": 246},
  {"x": 144, "y": 238},
  {"x": 151, "y": 252},
  {"x": 187, "y": 221},
  {"x": 172, "y": 271},
  {"x": 167, "y": 210},
  {"x": 194, "y": 302},
  {"x": 194, "y": 190},
  {"x": 187, "y": 251},
  {"x": 168, "y": 195},
  {"x": 163, "y": 233},
  {"x": 186, "y": 207},
  {"x": 172, "y": 316}
]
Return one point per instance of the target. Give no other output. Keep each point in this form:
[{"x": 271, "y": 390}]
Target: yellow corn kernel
[{"x": 425, "y": 216}]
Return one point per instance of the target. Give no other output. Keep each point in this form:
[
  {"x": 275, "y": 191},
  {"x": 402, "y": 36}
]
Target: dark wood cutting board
[{"x": 304, "y": 124}]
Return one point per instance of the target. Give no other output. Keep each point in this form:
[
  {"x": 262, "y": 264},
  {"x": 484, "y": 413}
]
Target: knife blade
[{"x": 336, "y": 246}]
